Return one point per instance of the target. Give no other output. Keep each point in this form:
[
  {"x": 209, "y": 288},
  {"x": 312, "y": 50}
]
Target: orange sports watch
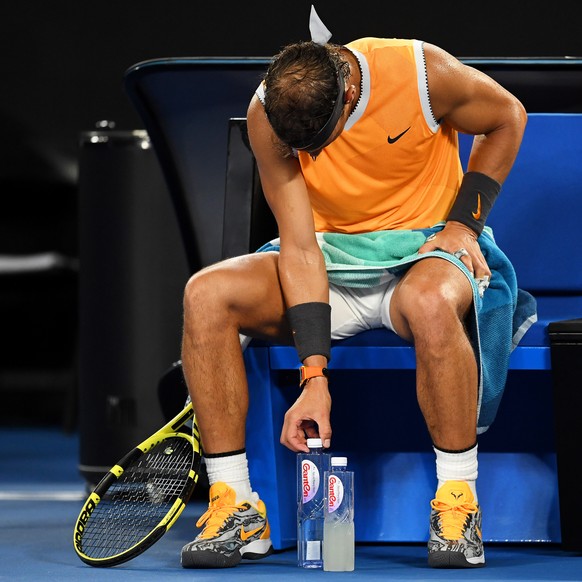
[{"x": 308, "y": 372}]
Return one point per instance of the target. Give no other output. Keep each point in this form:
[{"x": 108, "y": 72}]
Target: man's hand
[
  {"x": 454, "y": 237},
  {"x": 309, "y": 415}
]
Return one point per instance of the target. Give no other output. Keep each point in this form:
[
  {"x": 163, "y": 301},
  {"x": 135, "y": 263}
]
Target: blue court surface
[{"x": 41, "y": 493}]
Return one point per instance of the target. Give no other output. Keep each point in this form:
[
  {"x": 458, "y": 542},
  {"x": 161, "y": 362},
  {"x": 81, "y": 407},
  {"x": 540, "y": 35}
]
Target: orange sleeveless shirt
[{"x": 393, "y": 167}]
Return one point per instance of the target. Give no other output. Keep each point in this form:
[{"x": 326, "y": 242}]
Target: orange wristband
[{"x": 308, "y": 372}]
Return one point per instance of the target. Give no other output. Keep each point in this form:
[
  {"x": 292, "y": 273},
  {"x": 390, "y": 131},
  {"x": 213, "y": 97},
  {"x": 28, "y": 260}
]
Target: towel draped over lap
[{"x": 497, "y": 322}]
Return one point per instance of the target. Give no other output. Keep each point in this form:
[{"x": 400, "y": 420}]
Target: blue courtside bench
[
  {"x": 536, "y": 222},
  {"x": 186, "y": 104}
]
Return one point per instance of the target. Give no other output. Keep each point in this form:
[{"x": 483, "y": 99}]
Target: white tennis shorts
[{"x": 355, "y": 309}]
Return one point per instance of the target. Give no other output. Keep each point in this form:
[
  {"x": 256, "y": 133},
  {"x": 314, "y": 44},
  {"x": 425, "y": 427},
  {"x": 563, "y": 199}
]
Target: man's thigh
[{"x": 248, "y": 288}]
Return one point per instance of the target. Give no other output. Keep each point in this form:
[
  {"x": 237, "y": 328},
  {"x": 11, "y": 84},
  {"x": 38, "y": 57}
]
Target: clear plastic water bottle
[
  {"x": 310, "y": 504},
  {"x": 338, "y": 529}
]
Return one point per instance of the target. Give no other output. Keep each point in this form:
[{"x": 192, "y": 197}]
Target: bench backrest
[{"x": 537, "y": 217}]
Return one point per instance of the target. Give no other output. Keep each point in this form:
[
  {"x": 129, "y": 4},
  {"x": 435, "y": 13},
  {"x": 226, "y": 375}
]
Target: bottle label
[
  {"x": 335, "y": 493},
  {"x": 313, "y": 550},
  {"x": 309, "y": 480}
]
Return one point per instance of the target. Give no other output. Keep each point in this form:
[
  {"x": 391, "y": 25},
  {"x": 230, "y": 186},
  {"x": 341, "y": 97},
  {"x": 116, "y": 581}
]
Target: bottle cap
[
  {"x": 314, "y": 443},
  {"x": 339, "y": 461}
]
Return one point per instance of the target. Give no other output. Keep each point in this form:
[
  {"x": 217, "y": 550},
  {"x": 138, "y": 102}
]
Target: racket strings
[{"x": 139, "y": 499}]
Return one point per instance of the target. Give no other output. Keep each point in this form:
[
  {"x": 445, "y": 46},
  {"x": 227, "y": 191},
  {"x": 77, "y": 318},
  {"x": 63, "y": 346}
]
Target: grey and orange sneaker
[
  {"x": 231, "y": 532},
  {"x": 455, "y": 528}
]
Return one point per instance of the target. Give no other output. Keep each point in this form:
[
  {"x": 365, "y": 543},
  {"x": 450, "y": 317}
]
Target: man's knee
[
  {"x": 434, "y": 304},
  {"x": 204, "y": 292}
]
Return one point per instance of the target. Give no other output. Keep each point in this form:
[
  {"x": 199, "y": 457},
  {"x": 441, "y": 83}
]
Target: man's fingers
[
  {"x": 309, "y": 417},
  {"x": 325, "y": 435},
  {"x": 293, "y": 438},
  {"x": 309, "y": 428},
  {"x": 468, "y": 252},
  {"x": 295, "y": 433}
]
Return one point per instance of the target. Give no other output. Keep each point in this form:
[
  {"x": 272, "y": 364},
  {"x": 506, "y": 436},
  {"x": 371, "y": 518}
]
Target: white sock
[
  {"x": 232, "y": 470},
  {"x": 458, "y": 467}
]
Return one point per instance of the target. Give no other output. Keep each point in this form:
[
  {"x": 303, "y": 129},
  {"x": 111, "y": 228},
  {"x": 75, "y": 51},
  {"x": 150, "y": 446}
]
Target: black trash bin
[
  {"x": 566, "y": 354},
  {"x": 132, "y": 276}
]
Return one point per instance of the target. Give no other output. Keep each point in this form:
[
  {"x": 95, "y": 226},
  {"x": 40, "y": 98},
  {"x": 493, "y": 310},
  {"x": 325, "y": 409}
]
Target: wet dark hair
[{"x": 303, "y": 84}]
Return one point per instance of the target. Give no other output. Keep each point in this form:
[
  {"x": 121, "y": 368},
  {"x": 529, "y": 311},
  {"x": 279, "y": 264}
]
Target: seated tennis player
[{"x": 356, "y": 141}]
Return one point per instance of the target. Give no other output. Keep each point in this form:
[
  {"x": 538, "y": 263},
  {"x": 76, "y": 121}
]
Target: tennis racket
[{"x": 141, "y": 497}]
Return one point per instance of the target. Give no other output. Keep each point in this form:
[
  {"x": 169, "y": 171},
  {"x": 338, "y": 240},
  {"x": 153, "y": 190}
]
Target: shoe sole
[
  {"x": 257, "y": 550},
  {"x": 453, "y": 560},
  {"x": 208, "y": 559}
]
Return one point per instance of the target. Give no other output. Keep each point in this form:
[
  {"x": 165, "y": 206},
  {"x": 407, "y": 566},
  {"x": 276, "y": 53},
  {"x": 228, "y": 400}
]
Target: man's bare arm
[
  {"x": 301, "y": 264},
  {"x": 473, "y": 103},
  {"x": 301, "y": 268}
]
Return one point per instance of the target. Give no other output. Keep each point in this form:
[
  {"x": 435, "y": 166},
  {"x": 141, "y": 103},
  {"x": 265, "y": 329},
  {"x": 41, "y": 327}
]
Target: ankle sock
[
  {"x": 232, "y": 469},
  {"x": 458, "y": 466}
]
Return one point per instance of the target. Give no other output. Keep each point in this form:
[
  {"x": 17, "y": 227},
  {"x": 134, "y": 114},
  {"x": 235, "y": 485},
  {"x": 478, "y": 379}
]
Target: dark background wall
[{"x": 63, "y": 61}]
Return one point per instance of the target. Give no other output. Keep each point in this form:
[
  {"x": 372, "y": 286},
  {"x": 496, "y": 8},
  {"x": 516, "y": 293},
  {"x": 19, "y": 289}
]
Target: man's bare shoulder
[
  {"x": 440, "y": 63},
  {"x": 452, "y": 83}
]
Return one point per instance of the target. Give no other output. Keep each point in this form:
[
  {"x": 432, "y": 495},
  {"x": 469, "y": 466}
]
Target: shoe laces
[
  {"x": 214, "y": 517},
  {"x": 453, "y": 517},
  {"x": 222, "y": 506}
]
